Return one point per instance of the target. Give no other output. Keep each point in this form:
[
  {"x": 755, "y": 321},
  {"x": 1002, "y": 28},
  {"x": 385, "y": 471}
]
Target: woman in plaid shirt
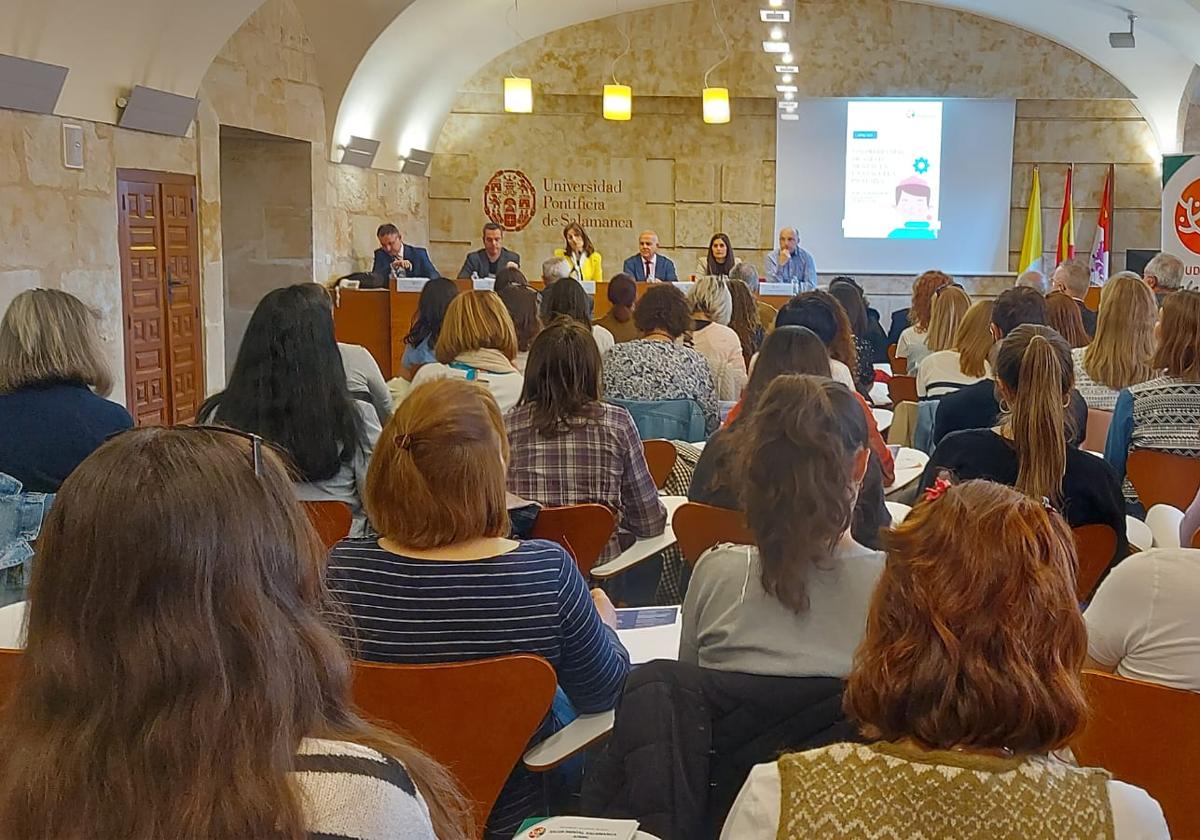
[{"x": 567, "y": 447}]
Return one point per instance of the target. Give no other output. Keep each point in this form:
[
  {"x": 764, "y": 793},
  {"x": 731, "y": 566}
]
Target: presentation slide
[
  {"x": 898, "y": 186},
  {"x": 893, "y": 170}
]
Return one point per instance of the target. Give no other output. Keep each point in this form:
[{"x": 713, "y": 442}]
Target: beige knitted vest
[{"x": 896, "y": 792}]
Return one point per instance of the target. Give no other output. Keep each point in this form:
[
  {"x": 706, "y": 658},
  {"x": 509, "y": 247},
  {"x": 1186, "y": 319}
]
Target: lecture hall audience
[
  {"x": 794, "y": 604},
  {"x": 950, "y": 304},
  {"x": 1027, "y": 448},
  {"x": 820, "y": 312},
  {"x": 179, "y": 678},
  {"x": 712, "y": 310},
  {"x": 1073, "y": 278},
  {"x": 914, "y": 321},
  {"x": 869, "y": 342},
  {"x": 436, "y": 493},
  {"x": 289, "y": 387},
  {"x": 422, "y": 336},
  {"x": 658, "y": 366},
  {"x": 966, "y": 361},
  {"x": 745, "y": 320},
  {"x": 1063, "y": 316},
  {"x": 566, "y": 447},
  {"x": 1162, "y": 413},
  {"x": 1122, "y": 352},
  {"x": 1163, "y": 274},
  {"x": 522, "y": 305},
  {"x": 970, "y": 662},
  {"x": 477, "y": 342},
  {"x": 566, "y": 298},
  {"x": 748, "y": 274},
  {"x": 622, "y": 296}
]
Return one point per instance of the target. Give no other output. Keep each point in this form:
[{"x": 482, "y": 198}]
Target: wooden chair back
[
  {"x": 475, "y": 718},
  {"x": 660, "y": 458},
  {"x": 1161, "y": 478},
  {"x": 1091, "y": 298},
  {"x": 902, "y": 389},
  {"x": 699, "y": 527},
  {"x": 1146, "y": 735},
  {"x": 1095, "y": 546},
  {"x": 583, "y": 530},
  {"x": 1196, "y": 540},
  {"x": 10, "y": 663},
  {"x": 899, "y": 363},
  {"x": 331, "y": 519},
  {"x": 1097, "y": 430}
]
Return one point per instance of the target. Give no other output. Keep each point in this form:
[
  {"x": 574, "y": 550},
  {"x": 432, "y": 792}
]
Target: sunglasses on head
[{"x": 256, "y": 442}]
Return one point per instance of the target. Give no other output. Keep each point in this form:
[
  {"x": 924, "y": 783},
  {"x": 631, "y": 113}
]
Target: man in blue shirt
[
  {"x": 792, "y": 264},
  {"x": 394, "y": 258}
]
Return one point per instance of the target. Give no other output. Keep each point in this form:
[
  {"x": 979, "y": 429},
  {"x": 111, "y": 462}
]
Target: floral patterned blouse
[{"x": 661, "y": 370}]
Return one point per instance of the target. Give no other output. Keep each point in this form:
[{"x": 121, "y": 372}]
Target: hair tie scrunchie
[
  {"x": 404, "y": 441},
  {"x": 937, "y": 489}
]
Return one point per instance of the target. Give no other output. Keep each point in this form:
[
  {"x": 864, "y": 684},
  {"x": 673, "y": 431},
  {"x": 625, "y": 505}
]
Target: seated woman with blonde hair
[
  {"x": 965, "y": 362},
  {"x": 478, "y": 343},
  {"x": 1122, "y": 353},
  {"x": 966, "y": 682},
  {"x": 712, "y": 307},
  {"x": 950, "y": 304}
]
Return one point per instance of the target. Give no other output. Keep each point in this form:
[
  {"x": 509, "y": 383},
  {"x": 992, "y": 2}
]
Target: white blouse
[{"x": 722, "y": 348}]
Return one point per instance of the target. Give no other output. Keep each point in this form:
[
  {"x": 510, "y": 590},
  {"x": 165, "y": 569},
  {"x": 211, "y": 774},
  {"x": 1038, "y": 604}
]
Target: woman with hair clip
[
  {"x": 422, "y": 336},
  {"x": 790, "y": 350},
  {"x": 918, "y": 316},
  {"x": 179, "y": 679},
  {"x": 1122, "y": 353},
  {"x": 289, "y": 387},
  {"x": 718, "y": 260},
  {"x": 586, "y": 263},
  {"x": 1028, "y": 450},
  {"x": 966, "y": 683},
  {"x": 949, "y": 307},
  {"x": 437, "y": 495},
  {"x": 566, "y": 447},
  {"x": 796, "y": 603}
]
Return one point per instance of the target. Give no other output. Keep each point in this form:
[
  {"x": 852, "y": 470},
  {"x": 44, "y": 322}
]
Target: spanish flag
[
  {"x": 1031, "y": 244},
  {"x": 1066, "y": 224}
]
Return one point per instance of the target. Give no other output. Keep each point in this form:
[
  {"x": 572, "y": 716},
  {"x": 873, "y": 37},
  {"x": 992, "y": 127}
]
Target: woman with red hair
[{"x": 966, "y": 681}]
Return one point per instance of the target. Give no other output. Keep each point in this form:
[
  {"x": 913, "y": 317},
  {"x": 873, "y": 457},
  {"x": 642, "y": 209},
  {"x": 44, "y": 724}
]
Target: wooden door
[{"x": 160, "y": 283}]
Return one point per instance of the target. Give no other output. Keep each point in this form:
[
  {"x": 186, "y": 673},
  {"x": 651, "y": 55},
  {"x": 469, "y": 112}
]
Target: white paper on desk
[
  {"x": 411, "y": 284},
  {"x": 580, "y": 828},
  {"x": 775, "y": 289},
  {"x": 484, "y": 284},
  {"x": 650, "y": 633},
  {"x": 589, "y": 286}
]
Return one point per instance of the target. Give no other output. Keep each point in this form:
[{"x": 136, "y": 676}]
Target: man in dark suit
[
  {"x": 1073, "y": 278},
  {"x": 975, "y": 406},
  {"x": 647, "y": 263},
  {"x": 492, "y": 257},
  {"x": 394, "y": 255}
]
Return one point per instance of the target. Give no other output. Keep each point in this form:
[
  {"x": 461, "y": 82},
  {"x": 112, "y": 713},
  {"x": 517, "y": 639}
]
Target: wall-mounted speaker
[
  {"x": 27, "y": 85},
  {"x": 158, "y": 111},
  {"x": 73, "y": 146}
]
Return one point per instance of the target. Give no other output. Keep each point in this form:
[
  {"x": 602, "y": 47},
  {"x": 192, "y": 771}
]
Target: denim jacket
[{"x": 21, "y": 517}]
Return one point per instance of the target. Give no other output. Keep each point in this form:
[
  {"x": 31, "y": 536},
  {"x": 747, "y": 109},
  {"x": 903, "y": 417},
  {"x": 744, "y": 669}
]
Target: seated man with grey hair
[
  {"x": 792, "y": 264},
  {"x": 555, "y": 268},
  {"x": 748, "y": 274},
  {"x": 1164, "y": 275},
  {"x": 1033, "y": 279},
  {"x": 1074, "y": 277}
]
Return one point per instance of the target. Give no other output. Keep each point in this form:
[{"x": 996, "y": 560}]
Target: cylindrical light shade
[
  {"x": 518, "y": 95},
  {"x": 716, "y": 105},
  {"x": 618, "y": 102}
]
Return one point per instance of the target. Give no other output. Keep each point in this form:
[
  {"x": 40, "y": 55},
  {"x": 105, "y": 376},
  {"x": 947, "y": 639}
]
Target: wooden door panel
[
  {"x": 141, "y": 259},
  {"x": 181, "y": 246}
]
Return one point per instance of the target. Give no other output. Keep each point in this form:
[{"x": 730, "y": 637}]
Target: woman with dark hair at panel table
[
  {"x": 178, "y": 612},
  {"x": 585, "y": 261},
  {"x": 712, "y": 309},
  {"x": 1162, "y": 413},
  {"x": 790, "y": 350},
  {"x": 1063, "y": 315},
  {"x": 745, "y": 320},
  {"x": 821, "y": 313},
  {"x": 1122, "y": 352},
  {"x": 422, "y": 336},
  {"x": 658, "y": 366},
  {"x": 966, "y": 683},
  {"x": 288, "y": 386},
  {"x": 1028, "y": 448},
  {"x": 622, "y": 294},
  {"x": 718, "y": 260},
  {"x": 437, "y": 494},
  {"x": 913, "y": 323},
  {"x": 522, "y": 305},
  {"x": 795, "y": 603},
  {"x": 566, "y": 447},
  {"x": 567, "y": 299},
  {"x": 965, "y": 361}
]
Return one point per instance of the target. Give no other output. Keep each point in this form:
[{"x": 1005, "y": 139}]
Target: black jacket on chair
[{"x": 686, "y": 737}]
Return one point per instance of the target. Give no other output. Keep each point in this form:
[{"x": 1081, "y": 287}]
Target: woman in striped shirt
[
  {"x": 179, "y": 680},
  {"x": 444, "y": 584}
]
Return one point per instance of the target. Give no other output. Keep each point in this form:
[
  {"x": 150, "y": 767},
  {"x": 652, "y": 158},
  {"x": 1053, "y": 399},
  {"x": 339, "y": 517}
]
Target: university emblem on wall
[{"x": 509, "y": 199}]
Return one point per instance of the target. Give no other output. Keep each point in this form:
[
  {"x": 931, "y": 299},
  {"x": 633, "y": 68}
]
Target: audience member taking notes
[
  {"x": 967, "y": 681},
  {"x": 791, "y": 264},
  {"x": 177, "y": 598},
  {"x": 436, "y": 494},
  {"x": 492, "y": 257},
  {"x": 648, "y": 263}
]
